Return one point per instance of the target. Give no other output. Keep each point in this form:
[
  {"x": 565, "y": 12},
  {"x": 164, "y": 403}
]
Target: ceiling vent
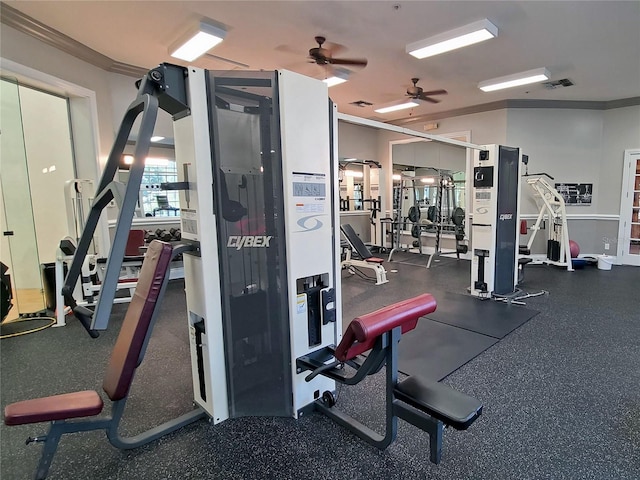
[
  {"x": 361, "y": 103},
  {"x": 565, "y": 82}
]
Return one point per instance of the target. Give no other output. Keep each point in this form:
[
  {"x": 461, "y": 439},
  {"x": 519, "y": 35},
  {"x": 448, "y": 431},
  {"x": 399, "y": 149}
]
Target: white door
[{"x": 629, "y": 233}]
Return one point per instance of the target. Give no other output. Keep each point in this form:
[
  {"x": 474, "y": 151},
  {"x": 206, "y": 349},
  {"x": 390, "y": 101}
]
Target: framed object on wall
[{"x": 575, "y": 193}]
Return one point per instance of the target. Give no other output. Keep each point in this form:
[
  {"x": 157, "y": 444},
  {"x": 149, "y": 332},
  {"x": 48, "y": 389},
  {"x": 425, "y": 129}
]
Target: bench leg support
[
  {"x": 433, "y": 427},
  {"x": 48, "y": 451}
]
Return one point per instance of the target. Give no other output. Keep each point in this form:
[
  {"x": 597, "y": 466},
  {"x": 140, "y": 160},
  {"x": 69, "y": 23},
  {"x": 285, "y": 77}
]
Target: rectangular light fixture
[
  {"x": 332, "y": 81},
  {"x": 457, "y": 38},
  {"x": 515, "y": 80},
  {"x": 198, "y": 43},
  {"x": 400, "y": 106},
  {"x": 340, "y": 75},
  {"x": 156, "y": 138}
]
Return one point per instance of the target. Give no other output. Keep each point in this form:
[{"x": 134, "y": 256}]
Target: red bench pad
[
  {"x": 374, "y": 260},
  {"x": 57, "y": 407},
  {"x": 363, "y": 331},
  {"x": 126, "y": 352}
]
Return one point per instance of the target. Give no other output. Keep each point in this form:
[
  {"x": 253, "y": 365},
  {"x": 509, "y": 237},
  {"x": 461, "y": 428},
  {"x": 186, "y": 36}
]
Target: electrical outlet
[{"x": 606, "y": 246}]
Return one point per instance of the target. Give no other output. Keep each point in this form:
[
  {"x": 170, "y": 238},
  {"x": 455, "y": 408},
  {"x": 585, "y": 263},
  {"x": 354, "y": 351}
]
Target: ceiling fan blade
[
  {"x": 428, "y": 99},
  {"x": 358, "y": 62},
  {"x": 333, "y": 47},
  {"x": 435, "y": 92}
]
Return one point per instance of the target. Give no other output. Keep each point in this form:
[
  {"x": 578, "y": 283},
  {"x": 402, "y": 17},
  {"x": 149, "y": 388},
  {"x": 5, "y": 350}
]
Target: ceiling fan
[
  {"x": 417, "y": 93},
  {"x": 323, "y": 55}
]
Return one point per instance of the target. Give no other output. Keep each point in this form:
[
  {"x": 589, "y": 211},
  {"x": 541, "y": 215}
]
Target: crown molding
[
  {"x": 503, "y": 104},
  {"x": 25, "y": 24}
]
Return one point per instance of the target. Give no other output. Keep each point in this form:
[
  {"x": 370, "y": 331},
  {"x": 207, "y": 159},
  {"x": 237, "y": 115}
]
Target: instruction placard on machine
[
  {"x": 189, "y": 221},
  {"x": 309, "y": 192}
]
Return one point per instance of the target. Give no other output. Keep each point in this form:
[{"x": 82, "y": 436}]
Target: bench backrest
[
  {"x": 363, "y": 331},
  {"x": 355, "y": 241},
  {"x": 134, "y": 242},
  {"x": 135, "y": 326}
]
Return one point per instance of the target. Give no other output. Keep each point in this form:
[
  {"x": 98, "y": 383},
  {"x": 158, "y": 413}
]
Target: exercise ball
[{"x": 574, "y": 249}]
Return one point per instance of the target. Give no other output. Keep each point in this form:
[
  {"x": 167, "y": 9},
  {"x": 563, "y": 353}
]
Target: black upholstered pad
[{"x": 440, "y": 401}]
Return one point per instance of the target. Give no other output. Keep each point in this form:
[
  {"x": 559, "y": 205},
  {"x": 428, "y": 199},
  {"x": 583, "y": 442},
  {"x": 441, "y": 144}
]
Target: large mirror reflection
[{"x": 429, "y": 197}]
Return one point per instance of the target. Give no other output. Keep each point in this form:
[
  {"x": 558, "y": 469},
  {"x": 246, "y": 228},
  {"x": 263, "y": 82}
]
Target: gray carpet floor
[{"x": 561, "y": 396}]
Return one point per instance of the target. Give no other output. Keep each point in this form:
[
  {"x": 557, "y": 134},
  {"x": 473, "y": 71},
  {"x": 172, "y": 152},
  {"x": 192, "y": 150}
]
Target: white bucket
[{"x": 604, "y": 262}]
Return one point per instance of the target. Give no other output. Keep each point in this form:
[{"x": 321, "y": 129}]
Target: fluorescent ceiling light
[
  {"x": 457, "y": 38},
  {"x": 515, "y": 80},
  {"x": 401, "y": 106},
  {"x": 340, "y": 75},
  {"x": 331, "y": 81},
  {"x": 156, "y": 138},
  {"x": 198, "y": 43},
  {"x": 396, "y": 176},
  {"x": 427, "y": 180}
]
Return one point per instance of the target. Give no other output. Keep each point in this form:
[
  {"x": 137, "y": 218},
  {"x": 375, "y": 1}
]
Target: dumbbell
[
  {"x": 176, "y": 234},
  {"x": 149, "y": 236},
  {"x": 163, "y": 235}
]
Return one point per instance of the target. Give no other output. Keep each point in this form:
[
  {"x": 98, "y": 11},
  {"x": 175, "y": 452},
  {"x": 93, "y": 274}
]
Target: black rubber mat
[
  {"x": 434, "y": 350},
  {"x": 488, "y": 317}
]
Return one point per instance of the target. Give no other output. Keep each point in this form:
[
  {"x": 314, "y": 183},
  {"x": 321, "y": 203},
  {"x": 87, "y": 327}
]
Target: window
[{"x": 153, "y": 201}]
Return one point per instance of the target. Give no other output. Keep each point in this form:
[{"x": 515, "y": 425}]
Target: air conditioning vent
[
  {"x": 565, "y": 82},
  {"x": 361, "y": 103}
]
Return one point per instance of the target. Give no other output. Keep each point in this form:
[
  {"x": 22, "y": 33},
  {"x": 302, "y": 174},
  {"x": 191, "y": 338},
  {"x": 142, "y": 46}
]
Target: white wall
[
  {"x": 579, "y": 146},
  {"x": 621, "y": 132},
  {"x": 567, "y": 144}
]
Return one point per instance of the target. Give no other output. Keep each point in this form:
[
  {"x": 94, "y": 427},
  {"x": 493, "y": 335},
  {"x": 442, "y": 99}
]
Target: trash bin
[
  {"x": 605, "y": 262},
  {"x": 49, "y": 284}
]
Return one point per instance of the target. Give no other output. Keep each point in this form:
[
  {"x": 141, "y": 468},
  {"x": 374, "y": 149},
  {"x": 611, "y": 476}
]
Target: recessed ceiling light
[{"x": 453, "y": 39}]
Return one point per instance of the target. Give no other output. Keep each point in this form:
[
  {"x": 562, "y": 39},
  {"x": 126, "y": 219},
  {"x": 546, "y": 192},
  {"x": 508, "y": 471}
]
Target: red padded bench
[
  {"x": 426, "y": 404},
  {"x": 127, "y": 355}
]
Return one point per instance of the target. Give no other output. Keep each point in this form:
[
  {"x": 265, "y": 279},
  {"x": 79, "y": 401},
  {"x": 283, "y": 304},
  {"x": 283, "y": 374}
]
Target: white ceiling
[{"x": 596, "y": 44}]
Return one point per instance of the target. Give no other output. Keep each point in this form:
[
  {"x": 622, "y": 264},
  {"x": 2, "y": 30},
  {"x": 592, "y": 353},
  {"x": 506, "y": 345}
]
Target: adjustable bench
[
  {"x": 428, "y": 405},
  {"x": 366, "y": 260},
  {"x": 128, "y": 353}
]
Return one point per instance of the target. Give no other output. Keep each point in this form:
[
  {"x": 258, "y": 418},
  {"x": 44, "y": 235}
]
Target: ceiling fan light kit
[
  {"x": 397, "y": 107},
  {"x": 198, "y": 41},
  {"x": 453, "y": 39},
  {"x": 515, "y": 80}
]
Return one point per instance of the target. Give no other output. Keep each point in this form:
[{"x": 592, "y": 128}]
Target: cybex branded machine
[
  {"x": 256, "y": 167},
  {"x": 257, "y": 154},
  {"x": 494, "y": 229}
]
